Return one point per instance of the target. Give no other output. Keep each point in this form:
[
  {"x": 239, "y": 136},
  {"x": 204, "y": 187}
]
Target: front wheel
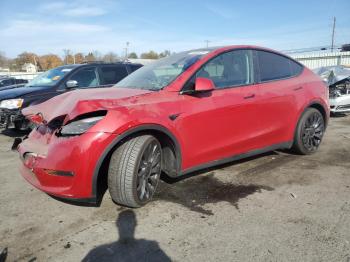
[
  {"x": 134, "y": 171},
  {"x": 309, "y": 133}
]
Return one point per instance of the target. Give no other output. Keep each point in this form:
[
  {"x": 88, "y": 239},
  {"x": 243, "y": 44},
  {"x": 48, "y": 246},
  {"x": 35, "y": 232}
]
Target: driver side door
[{"x": 224, "y": 122}]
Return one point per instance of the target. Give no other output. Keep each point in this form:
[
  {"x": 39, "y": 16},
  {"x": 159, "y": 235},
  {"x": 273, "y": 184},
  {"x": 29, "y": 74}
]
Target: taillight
[{"x": 37, "y": 119}]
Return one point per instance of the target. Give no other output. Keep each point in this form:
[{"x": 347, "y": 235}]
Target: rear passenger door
[
  {"x": 111, "y": 74},
  {"x": 279, "y": 89}
]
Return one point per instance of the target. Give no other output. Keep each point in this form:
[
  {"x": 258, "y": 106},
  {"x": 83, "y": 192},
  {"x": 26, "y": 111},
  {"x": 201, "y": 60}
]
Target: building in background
[
  {"x": 29, "y": 68},
  {"x": 318, "y": 59}
]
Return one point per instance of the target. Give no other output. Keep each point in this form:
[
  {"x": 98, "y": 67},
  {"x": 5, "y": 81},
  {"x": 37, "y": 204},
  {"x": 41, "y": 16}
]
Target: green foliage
[
  {"x": 150, "y": 55},
  {"x": 133, "y": 55}
]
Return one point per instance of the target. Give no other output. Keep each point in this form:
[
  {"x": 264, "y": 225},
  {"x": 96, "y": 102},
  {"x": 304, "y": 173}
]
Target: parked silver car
[{"x": 338, "y": 81}]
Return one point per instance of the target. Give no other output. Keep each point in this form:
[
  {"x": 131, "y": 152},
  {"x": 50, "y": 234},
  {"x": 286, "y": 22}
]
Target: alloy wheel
[
  {"x": 149, "y": 171},
  {"x": 312, "y": 132}
]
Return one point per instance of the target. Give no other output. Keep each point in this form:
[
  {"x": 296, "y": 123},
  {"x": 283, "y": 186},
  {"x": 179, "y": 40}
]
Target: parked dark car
[
  {"x": 55, "y": 82},
  {"x": 7, "y": 82}
]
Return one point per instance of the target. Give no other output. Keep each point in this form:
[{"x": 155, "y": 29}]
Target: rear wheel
[
  {"x": 134, "y": 171},
  {"x": 309, "y": 133}
]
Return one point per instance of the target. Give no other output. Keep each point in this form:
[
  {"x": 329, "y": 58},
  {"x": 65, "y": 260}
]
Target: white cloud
[
  {"x": 73, "y": 9},
  {"x": 220, "y": 11},
  {"x": 53, "y": 6},
  {"x": 85, "y": 11},
  {"x": 35, "y": 28}
]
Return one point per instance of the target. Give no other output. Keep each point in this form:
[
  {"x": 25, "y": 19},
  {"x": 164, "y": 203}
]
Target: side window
[
  {"x": 112, "y": 74},
  {"x": 85, "y": 77},
  {"x": 7, "y": 82},
  {"x": 273, "y": 66},
  {"x": 295, "y": 67},
  {"x": 134, "y": 67},
  {"x": 229, "y": 69}
]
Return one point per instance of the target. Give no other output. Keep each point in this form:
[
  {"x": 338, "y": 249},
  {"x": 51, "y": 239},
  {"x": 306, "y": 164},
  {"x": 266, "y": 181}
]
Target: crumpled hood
[
  {"x": 82, "y": 101},
  {"x": 333, "y": 74}
]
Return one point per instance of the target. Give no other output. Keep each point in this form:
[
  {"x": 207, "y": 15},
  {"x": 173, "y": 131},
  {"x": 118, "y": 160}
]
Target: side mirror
[
  {"x": 72, "y": 84},
  {"x": 203, "y": 84}
]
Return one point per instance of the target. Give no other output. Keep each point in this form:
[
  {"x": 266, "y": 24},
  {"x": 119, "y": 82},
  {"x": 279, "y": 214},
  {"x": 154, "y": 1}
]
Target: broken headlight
[
  {"x": 79, "y": 127},
  {"x": 11, "y": 103}
]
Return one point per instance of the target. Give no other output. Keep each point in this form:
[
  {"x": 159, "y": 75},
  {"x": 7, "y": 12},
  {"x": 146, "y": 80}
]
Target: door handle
[
  {"x": 249, "y": 96},
  {"x": 298, "y": 88}
]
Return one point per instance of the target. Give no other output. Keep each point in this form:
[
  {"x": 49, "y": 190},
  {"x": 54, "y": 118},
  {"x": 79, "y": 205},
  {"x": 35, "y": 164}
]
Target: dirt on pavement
[{"x": 273, "y": 207}]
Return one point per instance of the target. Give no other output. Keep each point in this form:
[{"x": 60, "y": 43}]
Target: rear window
[
  {"x": 273, "y": 66},
  {"x": 111, "y": 75}
]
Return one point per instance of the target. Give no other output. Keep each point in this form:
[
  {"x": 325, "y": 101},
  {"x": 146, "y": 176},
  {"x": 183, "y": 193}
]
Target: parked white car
[{"x": 338, "y": 81}]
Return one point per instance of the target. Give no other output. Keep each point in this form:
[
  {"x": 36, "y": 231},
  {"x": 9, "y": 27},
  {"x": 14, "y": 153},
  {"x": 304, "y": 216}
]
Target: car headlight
[
  {"x": 11, "y": 103},
  {"x": 79, "y": 127}
]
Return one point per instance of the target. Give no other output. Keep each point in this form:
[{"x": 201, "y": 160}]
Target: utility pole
[
  {"x": 333, "y": 32},
  {"x": 66, "y": 54},
  {"x": 35, "y": 62},
  {"x": 207, "y": 43},
  {"x": 126, "y": 50}
]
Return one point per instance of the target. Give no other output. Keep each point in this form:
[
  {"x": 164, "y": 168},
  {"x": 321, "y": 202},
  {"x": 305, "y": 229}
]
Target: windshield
[
  {"x": 161, "y": 73},
  {"x": 50, "y": 77}
]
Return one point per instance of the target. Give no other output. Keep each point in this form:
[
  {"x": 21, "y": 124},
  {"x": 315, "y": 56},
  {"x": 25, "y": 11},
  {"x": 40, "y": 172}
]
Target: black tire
[
  {"x": 23, "y": 125},
  {"x": 309, "y": 133},
  {"x": 134, "y": 171}
]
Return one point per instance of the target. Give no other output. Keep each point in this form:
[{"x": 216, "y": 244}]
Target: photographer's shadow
[{"x": 127, "y": 248}]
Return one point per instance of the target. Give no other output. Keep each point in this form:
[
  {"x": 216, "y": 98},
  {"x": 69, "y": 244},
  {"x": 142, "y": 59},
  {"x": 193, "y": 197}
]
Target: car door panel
[
  {"x": 280, "y": 94},
  {"x": 220, "y": 125},
  {"x": 223, "y": 122}
]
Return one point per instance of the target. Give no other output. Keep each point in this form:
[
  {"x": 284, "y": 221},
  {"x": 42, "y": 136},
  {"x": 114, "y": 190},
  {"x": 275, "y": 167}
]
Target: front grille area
[{"x": 343, "y": 107}]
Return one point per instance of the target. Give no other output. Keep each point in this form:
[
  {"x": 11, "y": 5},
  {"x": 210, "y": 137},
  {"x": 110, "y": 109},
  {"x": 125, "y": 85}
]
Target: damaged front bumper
[
  {"x": 62, "y": 166},
  {"x": 340, "y": 104},
  {"x": 12, "y": 118}
]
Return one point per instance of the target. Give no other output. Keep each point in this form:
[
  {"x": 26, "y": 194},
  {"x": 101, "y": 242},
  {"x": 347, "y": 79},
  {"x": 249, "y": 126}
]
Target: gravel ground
[{"x": 274, "y": 207}]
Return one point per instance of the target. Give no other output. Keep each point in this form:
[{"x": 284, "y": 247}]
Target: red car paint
[{"x": 205, "y": 128}]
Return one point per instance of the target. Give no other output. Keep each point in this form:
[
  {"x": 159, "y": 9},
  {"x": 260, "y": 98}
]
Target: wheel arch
[
  {"x": 172, "y": 157},
  {"x": 320, "y": 108},
  {"x": 314, "y": 104}
]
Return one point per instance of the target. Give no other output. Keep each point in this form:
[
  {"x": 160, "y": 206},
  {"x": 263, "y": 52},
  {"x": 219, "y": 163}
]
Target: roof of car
[{"x": 114, "y": 63}]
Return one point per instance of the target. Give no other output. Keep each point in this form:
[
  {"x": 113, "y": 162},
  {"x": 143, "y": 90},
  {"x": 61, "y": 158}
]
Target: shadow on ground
[
  {"x": 14, "y": 133},
  {"x": 127, "y": 248},
  {"x": 195, "y": 193}
]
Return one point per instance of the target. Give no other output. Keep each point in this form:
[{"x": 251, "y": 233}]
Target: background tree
[
  {"x": 110, "y": 57},
  {"x": 150, "y": 55},
  {"x": 90, "y": 57},
  {"x": 97, "y": 55},
  {"x": 26, "y": 57},
  {"x": 132, "y": 55},
  {"x": 69, "y": 59},
  {"x": 79, "y": 58},
  {"x": 165, "y": 53},
  {"x": 4, "y": 61},
  {"x": 50, "y": 61}
]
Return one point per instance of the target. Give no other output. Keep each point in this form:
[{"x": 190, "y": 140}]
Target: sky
[{"x": 44, "y": 27}]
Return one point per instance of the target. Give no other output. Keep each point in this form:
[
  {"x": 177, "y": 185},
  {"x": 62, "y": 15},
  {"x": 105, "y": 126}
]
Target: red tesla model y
[{"x": 182, "y": 113}]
